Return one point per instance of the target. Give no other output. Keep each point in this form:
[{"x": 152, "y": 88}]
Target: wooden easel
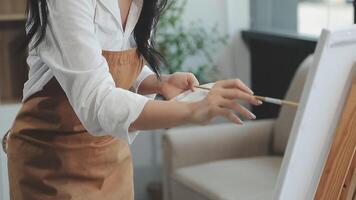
[{"x": 338, "y": 181}]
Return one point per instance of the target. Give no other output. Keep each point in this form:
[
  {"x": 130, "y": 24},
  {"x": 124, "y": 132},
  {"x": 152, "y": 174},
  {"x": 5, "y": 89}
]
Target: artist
[{"x": 88, "y": 94}]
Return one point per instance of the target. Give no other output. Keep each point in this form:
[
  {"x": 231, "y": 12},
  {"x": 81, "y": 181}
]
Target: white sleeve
[
  {"x": 146, "y": 71},
  {"x": 73, "y": 54}
]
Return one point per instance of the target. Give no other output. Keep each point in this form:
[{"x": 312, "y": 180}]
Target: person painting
[{"x": 93, "y": 75}]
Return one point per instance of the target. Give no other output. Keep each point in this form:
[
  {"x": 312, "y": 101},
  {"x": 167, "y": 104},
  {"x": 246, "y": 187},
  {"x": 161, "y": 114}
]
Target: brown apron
[{"x": 51, "y": 156}]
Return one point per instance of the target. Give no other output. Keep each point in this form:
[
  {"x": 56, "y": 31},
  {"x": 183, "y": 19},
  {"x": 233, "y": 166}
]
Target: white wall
[
  {"x": 230, "y": 15},
  {"x": 234, "y": 61},
  {"x": 7, "y": 115}
]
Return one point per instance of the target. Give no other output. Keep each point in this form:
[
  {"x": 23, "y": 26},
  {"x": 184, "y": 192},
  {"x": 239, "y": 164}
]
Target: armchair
[{"x": 226, "y": 161}]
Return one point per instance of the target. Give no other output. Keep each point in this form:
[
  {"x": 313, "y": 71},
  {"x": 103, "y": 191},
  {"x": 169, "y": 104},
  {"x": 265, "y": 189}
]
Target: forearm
[
  {"x": 151, "y": 85},
  {"x": 220, "y": 101},
  {"x": 163, "y": 114}
]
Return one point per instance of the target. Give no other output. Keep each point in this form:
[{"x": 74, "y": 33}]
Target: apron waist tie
[{"x": 4, "y": 141}]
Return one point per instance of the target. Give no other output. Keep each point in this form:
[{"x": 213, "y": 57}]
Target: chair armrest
[{"x": 195, "y": 145}]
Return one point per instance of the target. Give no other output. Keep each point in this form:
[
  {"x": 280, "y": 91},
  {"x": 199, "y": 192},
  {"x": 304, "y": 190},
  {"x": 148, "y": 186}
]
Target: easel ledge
[{"x": 338, "y": 181}]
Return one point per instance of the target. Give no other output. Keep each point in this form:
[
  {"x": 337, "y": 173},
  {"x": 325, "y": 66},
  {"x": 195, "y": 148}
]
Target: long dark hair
[{"x": 143, "y": 33}]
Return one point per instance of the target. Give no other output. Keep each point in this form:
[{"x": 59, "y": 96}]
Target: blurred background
[{"x": 262, "y": 42}]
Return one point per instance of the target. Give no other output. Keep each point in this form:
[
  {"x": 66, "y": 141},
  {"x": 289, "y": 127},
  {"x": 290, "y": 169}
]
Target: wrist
[
  {"x": 192, "y": 108},
  {"x": 150, "y": 85},
  {"x": 161, "y": 84}
]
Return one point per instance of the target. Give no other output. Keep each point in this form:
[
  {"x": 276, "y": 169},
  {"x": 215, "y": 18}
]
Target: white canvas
[{"x": 317, "y": 116}]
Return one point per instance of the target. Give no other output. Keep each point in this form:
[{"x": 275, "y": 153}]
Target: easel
[{"x": 338, "y": 181}]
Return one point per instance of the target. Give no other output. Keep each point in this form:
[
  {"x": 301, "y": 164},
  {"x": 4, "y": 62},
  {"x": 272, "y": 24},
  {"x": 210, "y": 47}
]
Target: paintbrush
[
  {"x": 265, "y": 99},
  {"x": 277, "y": 101}
]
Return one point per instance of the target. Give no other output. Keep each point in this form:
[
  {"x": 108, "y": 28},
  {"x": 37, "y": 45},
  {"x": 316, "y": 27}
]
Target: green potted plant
[{"x": 178, "y": 42}]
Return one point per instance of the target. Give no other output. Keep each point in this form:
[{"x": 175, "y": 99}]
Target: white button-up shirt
[{"x": 77, "y": 32}]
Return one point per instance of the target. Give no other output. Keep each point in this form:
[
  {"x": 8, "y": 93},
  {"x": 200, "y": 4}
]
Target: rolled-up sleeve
[
  {"x": 146, "y": 71},
  {"x": 73, "y": 54}
]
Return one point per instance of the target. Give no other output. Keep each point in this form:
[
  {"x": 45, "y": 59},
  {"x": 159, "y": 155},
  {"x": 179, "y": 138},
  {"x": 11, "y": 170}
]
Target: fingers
[
  {"x": 220, "y": 106},
  {"x": 221, "y": 100},
  {"x": 238, "y": 108},
  {"x": 235, "y": 83},
  {"x": 192, "y": 81},
  {"x": 226, "y": 113},
  {"x": 238, "y": 94},
  {"x": 236, "y": 89}
]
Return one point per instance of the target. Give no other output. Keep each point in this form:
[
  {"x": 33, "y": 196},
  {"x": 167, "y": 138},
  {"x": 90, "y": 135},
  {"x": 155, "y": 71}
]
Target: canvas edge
[{"x": 305, "y": 95}]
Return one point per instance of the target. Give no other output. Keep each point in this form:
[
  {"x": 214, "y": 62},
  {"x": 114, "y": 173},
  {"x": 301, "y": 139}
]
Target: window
[
  {"x": 306, "y": 17},
  {"x": 313, "y": 15}
]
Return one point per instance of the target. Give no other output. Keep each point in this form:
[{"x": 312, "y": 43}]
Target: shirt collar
[{"x": 135, "y": 10}]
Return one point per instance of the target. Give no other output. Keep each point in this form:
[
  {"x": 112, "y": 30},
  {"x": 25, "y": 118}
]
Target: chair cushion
[
  {"x": 246, "y": 178},
  {"x": 284, "y": 123}
]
